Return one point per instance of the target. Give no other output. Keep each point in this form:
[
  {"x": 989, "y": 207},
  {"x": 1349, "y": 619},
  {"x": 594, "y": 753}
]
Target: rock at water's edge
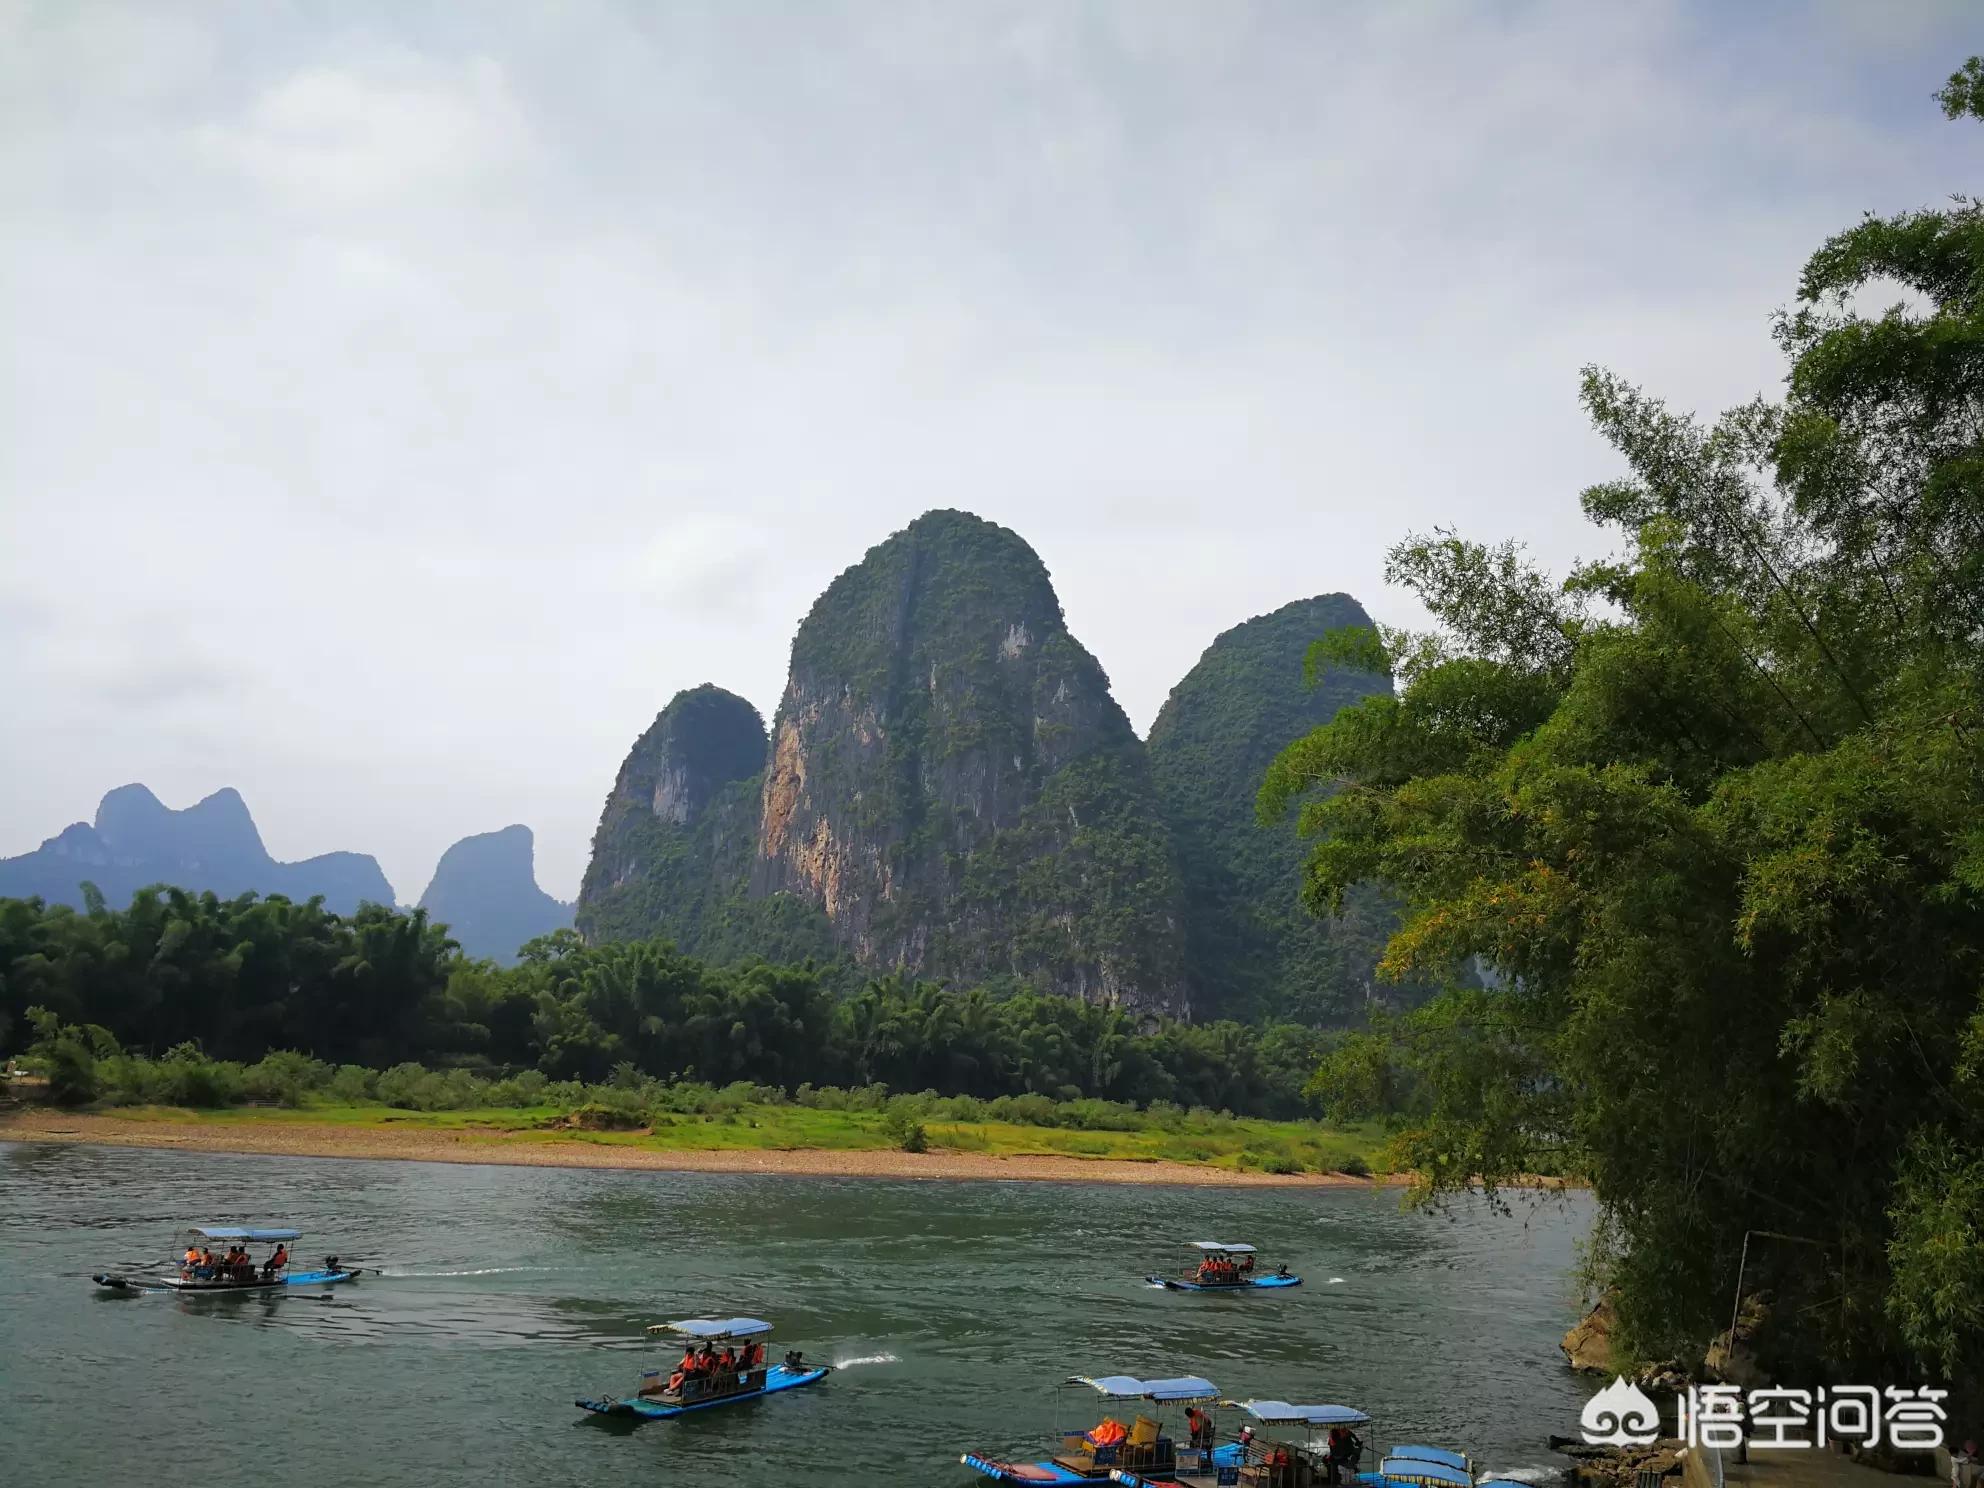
[{"x": 1588, "y": 1346}]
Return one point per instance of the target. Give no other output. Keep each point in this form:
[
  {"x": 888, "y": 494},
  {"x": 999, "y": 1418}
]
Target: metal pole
[{"x": 1736, "y": 1308}]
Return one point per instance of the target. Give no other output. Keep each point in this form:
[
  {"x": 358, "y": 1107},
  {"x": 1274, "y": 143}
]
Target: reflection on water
[{"x": 953, "y": 1310}]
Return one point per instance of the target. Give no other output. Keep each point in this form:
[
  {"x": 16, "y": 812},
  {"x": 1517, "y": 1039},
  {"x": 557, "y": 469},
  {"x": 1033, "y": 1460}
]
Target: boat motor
[
  {"x": 794, "y": 1359},
  {"x": 330, "y": 1263}
]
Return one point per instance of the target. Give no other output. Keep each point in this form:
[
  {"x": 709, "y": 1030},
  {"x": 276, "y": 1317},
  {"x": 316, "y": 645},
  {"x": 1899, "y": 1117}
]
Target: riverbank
[{"x": 460, "y": 1137}]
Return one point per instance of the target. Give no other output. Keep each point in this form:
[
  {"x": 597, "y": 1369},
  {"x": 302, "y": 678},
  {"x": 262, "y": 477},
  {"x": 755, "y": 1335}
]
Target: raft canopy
[
  {"x": 1281, "y": 1413},
  {"x": 236, "y": 1232},
  {"x": 1432, "y": 1454},
  {"x": 1418, "y": 1470},
  {"x": 1221, "y": 1248},
  {"x": 1129, "y": 1387},
  {"x": 715, "y": 1330}
]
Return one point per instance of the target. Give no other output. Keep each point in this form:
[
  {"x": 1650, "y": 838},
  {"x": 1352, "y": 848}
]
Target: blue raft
[
  {"x": 755, "y": 1385},
  {"x": 1223, "y": 1251},
  {"x": 777, "y": 1378},
  {"x": 261, "y": 1280},
  {"x": 1177, "y": 1284},
  {"x": 224, "y": 1288},
  {"x": 1055, "y": 1475}
]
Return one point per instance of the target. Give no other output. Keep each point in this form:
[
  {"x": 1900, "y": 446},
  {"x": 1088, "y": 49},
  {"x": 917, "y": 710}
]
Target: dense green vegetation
[
  {"x": 1252, "y": 949},
  {"x": 1713, "y": 807},
  {"x": 192, "y": 978},
  {"x": 638, "y": 1110}
]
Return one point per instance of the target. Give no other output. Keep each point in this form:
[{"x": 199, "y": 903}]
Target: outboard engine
[
  {"x": 330, "y": 1263},
  {"x": 794, "y": 1360}
]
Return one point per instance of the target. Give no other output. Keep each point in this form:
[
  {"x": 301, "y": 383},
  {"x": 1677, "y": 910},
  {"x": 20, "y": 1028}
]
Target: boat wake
[
  {"x": 1336, "y": 1281},
  {"x": 866, "y": 1359},
  {"x": 478, "y": 1271},
  {"x": 1539, "y": 1475}
]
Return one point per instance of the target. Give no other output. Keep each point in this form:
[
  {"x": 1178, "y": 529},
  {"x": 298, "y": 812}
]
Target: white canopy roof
[
  {"x": 716, "y": 1330},
  {"x": 1129, "y": 1387},
  {"x": 1223, "y": 1246},
  {"x": 1281, "y": 1413}
]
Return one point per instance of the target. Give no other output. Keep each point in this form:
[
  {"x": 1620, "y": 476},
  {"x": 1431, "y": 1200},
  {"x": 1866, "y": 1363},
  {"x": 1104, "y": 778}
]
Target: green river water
[{"x": 953, "y": 1308}]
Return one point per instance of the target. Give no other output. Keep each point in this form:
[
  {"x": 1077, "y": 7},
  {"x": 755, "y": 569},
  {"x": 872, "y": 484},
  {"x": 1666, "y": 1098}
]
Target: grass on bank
[
  {"x": 1213, "y": 1140},
  {"x": 632, "y": 1109}
]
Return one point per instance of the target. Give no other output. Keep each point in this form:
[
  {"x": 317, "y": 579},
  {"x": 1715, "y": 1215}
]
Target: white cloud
[{"x": 394, "y": 130}]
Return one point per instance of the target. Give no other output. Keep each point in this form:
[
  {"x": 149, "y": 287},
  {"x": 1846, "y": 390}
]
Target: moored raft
[
  {"x": 1143, "y": 1447},
  {"x": 1285, "y": 1457},
  {"x": 1425, "y": 1467}
]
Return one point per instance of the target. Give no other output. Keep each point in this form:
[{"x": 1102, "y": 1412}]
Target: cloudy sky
[{"x": 400, "y": 401}]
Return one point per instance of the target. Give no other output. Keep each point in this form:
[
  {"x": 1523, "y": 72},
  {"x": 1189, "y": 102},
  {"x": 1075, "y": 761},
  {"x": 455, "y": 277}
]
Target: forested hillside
[{"x": 1253, "y": 950}]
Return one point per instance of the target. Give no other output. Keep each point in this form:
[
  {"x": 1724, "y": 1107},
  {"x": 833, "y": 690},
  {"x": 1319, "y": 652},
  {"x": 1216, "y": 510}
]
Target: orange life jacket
[{"x": 1109, "y": 1433}]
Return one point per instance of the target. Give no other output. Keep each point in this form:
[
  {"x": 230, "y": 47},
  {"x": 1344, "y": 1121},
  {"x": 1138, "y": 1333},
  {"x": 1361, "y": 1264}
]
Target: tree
[{"x": 1713, "y": 811}]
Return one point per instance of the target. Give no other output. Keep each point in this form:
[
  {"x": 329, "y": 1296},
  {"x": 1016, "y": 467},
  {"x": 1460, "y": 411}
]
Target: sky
[{"x": 400, "y": 402}]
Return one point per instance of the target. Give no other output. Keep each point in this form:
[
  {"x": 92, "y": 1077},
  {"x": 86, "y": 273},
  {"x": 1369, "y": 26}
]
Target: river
[{"x": 953, "y": 1308}]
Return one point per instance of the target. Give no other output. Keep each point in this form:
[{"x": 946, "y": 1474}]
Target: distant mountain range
[
  {"x": 484, "y": 888},
  {"x": 947, "y": 789}
]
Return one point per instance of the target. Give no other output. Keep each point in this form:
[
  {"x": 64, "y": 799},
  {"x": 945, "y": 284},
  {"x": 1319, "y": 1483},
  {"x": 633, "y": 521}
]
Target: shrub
[
  {"x": 601, "y": 1116},
  {"x": 911, "y": 1107},
  {"x": 689, "y": 1097},
  {"x": 1101, "y": 1115},
  {"x": 127, "y": 1080},
  {"x": 68, "y": 1056},
  {"x": 905, "y": 1130},
  {"x": 1356, "y": 1167},
  {"x": 284, "y": 1076},
  {"x": 353, "y": 1085},
  {"x": 1281, "y": 1162},
  {"x": 187, "y": 1077},
  {"x": 524, "y": 1089},
  {"x": 401, "y": 1086},
  {"x": 1026, "y": 1110}
]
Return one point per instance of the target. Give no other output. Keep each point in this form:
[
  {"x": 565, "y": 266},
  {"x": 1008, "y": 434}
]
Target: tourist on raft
[
  {"x": 1199, "y": 1424},
  {"x": 1346, "y": 1451}
]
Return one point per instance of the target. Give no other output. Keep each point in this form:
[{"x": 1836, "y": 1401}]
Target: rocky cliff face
[
  {"x": 951, "y": 783},
  {"x": 1252, "y": 949},
  {"x": 485, "y": 891},
  {"x": 136, "y": 841},
  {"x": 676, "y": 841}
]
